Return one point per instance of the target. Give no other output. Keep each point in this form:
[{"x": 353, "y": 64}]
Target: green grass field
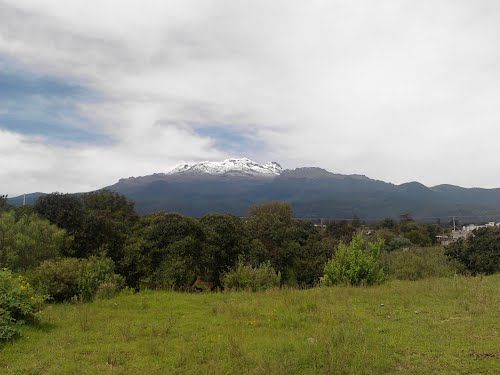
[{"x": 447, "y": 325}]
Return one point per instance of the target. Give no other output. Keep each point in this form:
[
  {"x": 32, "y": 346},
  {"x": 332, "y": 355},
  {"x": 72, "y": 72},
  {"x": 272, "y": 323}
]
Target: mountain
[
  {"x": 233, "y": 185},
  {"x": 20, "y": 200}
]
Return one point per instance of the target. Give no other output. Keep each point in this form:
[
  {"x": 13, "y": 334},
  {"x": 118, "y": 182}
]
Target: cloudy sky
[{"x": 399, "y": 90}]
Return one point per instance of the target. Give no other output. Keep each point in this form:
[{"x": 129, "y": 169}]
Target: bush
[
  {"x": 418, "y": 264},
  {"x": 355, "y": 264},
  {"x": 176, "y": 273},
  {"x": 66, "y": 278},
  {"x": 245, "y": 277},
  {"x": 398, "y": 243},
  {"x": 95, "y": 272},
  {"x": 28, "y": 241},
  {"x": 19, "y": 304},
  {"x": 57, "y": 279},
  {"x": 480, "y": 253}
]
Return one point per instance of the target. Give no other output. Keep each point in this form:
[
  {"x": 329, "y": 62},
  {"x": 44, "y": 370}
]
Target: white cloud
[
  {"x": 28, "y": 163},
  {"x": 397, "y": 90}
]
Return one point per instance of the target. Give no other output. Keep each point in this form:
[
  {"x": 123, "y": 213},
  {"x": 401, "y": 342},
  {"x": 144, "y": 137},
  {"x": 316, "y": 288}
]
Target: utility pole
[
  {"x": 454, "y": 226},
  {"x": 24, "y": 200}
]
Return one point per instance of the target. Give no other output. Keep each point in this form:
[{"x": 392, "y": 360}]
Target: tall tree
[
  {"x": 63, "y": 210},
  {"x": 165, "y": 251},
  {"x": 108, "y": 219},
  {"x": 3, "y": 203},
  {"x": 225, "y": 241},
  {"x": 272, "y": 225}
]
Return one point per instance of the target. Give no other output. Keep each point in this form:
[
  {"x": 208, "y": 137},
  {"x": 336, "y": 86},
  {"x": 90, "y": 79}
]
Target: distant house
[
  {"x": 464, "y": 233},
  {"x": 444, "y": 240}
]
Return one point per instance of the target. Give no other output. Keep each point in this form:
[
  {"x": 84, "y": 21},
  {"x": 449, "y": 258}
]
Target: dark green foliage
[
  {"x": 107, "y": 223},
  {"x": 63, "y": 279},
  {"x": 100, "y": 222},
  {"x": 225, "y": 240},
  {"x": 165, "y": 251},
  {"x": 4, "y": 206},
  {"x": 416, "y": 233},
  {"x": 407, "y": 234},
  {"x": 397, "y": 243},
  {"x": 19, "y": 304},
  {"x": 480, "y": 253},
  {"x": 388, "y": 223},
  {"x": 58, "y": 279},
  {"x": 171, "y": 251},
  {"x": 295, "y": 248},
  {"x": 342, "y": 231},
  {"x": 310, "y": 260},
  {"x": 64, "y": 210},
  {"x": 273, "y": 226}
]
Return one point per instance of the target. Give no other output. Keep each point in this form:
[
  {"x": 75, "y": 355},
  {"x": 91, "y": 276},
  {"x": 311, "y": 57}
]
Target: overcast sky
[{"x": 397, "y": 90}]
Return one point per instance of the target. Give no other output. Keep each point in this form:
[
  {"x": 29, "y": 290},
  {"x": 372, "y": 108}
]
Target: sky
[{"x": 398, "y": 90}]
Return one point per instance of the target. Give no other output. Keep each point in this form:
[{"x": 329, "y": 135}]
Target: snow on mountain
[{"x": 233, "y": 167}]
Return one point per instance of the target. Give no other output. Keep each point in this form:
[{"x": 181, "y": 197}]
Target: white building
[{"x": 465, "y": 232}]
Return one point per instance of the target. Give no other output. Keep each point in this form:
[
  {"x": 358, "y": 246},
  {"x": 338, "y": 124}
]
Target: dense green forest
[
  {"x": 68, "y": 247},
  {"x": 168, "y": 250}
]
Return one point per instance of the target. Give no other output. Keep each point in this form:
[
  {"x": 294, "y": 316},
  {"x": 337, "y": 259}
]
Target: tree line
[{"x": 172, "y": 251}]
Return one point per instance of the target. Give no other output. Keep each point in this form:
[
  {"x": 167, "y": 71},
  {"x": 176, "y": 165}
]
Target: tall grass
[
  {"x": 437, "y": 325},
  {"x": 419, "y": 263}
]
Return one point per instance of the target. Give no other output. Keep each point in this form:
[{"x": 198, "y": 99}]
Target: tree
[
  {"x": 3, "y": 203},
  {"x": 100, "y": 221},
  {"x": 107, "y": 221},
  {"x": 63, "y": 210},
  {"x": 165, "y": 251},
  {"x": 480, "y": 253},
  {"x": 310, "y": 259},
  {"x": 225, "y": 240},
  {"x": 417, "y": 234},
  {"x": 388, "y": 223},
  {"x": 272, "y": 225},
  {"x": 341, "y": 231},
  {"x": 26, "y": 242}
]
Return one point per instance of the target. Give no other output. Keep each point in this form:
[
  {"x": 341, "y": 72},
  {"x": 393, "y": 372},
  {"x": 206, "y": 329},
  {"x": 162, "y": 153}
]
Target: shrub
[
  {"x": 19, "y": 304},
  {"x": 93, "y": 273},
  {"x": 398, "y": 243},
  {"x": 418, "y": 263},
  {"x": 57, "y": 279},
  {"x": 480, "y": 253},
  {"x": 355, "y": 264},
  {"x": 66, "y": 278},
  {"x": 245, "y": 277},
  {"x": 176, "y": 273},
  {"x": 29, "y": 240}
]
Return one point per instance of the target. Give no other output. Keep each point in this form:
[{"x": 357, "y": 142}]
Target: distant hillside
[
  {"x": 233, "y": 185},
  {"x": 30, "y": 199},
  {"x": 313, "y": 192}
]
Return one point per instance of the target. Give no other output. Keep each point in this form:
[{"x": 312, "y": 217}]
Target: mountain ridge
[{"x": 233, "y": 185}]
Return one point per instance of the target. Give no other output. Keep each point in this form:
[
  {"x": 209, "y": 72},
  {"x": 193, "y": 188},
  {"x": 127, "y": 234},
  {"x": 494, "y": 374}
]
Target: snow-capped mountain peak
[{"x": 236, "y": 167}]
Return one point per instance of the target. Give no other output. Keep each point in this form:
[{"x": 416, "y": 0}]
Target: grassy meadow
[{"x": 436, "y": 325}]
